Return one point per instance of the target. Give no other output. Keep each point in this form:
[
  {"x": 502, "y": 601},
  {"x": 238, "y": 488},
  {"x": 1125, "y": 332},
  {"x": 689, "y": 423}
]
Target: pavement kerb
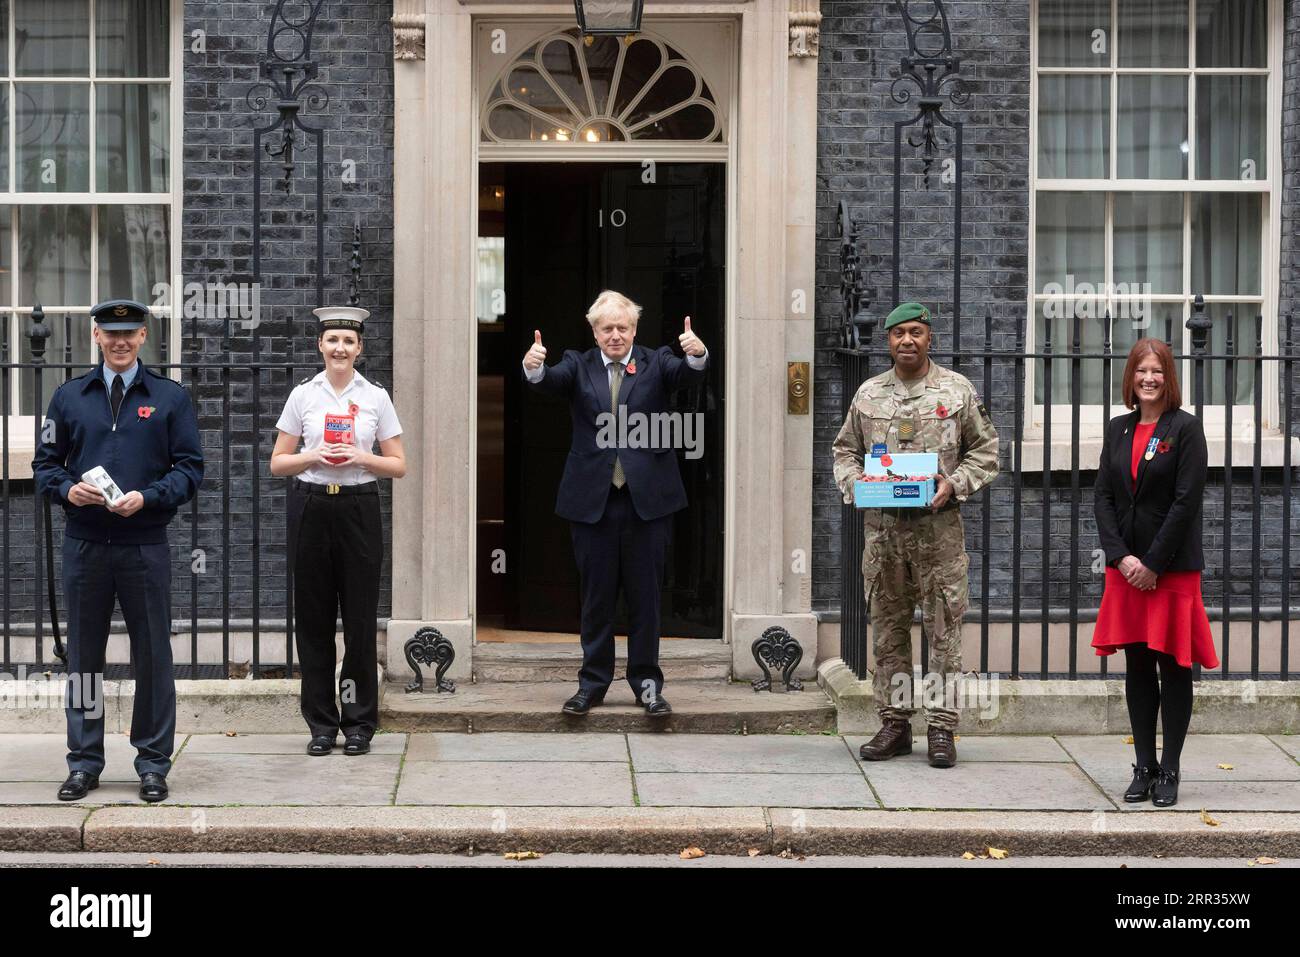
[{"x": 645, "y": 830}]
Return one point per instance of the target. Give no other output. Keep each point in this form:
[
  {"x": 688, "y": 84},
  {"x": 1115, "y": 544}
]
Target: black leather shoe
[
  {"x": 658, "y": 707},
  {"x": 356, "y": 744},
  {"x": 1140, "y": 789},
  {"x": 941, "y": 747},
  {"x": 583, "y": 701},
  {"x": 153, "y": 787},
  {"x": 321, "y": 745},
  {"x": 1164, "y": 793},
  {"x": 79, "y": 783}
]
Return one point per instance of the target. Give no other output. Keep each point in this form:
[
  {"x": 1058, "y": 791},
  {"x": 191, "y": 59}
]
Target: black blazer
[
  {"x": 652, "y": 474},
  {"x": 1158, "y": 518}
]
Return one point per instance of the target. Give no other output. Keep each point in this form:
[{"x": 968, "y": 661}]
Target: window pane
[
  {"x": 6, "y": 267},
  {"x": 1066, "y": 33},
  {"x": 55, "y": 37},
  {"x": 1148, "y": 242},
  {"x": 1091, "y": 326},
  {"x": 1070, "y": 241},
  {"x": 66, "y": 329},
  {"x": 1152, "y": 127},
  {"x": 1226, "y": 244},
  {"x": 1152, "y": 33},
  {"x": 53, "y": 138},
  {"x": 131, "y": 37},
  {"x": 4, "y": 37},
  {"x": 1230, "y": 116},
  {"x": 133, "y": 251},
  {"x": 1073, "y": 127},
  {"x": 1243, "y": 335},
  {"x": 53, "y": 255},
  {"x": 1232, "y": 33},
  {"x": 639, "y": 64},
  {"x": 4, "y": 137},
  {"x": 131, "y": 146}
]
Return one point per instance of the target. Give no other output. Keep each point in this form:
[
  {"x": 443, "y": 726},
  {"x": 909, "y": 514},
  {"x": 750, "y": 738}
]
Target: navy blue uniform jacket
[
  {"x": 653, "y": 478},
  {"x": 1158, "y": 518},
  {"x": 154, "y": 450}
]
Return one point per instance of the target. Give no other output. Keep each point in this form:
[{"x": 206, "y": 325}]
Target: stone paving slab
[
  {"x": 982, "y": 747},
  {"x": 731, "y": 790},
  {"x": 767, "y": 753},
  {"x": 1216, "y": 796},
  {"x": 1254, "y": 757},
  {"x": 516, "y": 783},
  {"x": 41, "y": 828},
  {"x": 283, "y": 779},
  {"x": 1021, "y": 833},
  {"x": 43, "y": 757},
  {"x": 45, "y": 792},
  {"x": 517, "y": 746},
  {"x": 910, "y": 782},
  {"x": 280, "y": 744},
  {"x": 1290, "y": 743},
  {"x": 415, "y": 830}
]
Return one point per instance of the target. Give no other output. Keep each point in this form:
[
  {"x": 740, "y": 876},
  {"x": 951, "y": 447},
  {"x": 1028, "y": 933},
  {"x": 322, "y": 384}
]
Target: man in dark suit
[{"x": 618, "y": 494}]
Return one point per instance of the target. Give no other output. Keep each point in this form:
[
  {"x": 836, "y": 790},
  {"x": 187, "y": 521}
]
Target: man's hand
[
  {"x": 128, "y": 504},
  {"x": 689, "y": 341},
  {"x": 942, "y": 492},
  {"x": 83, "y": 493},
  {"x": 535, "y": 356}
]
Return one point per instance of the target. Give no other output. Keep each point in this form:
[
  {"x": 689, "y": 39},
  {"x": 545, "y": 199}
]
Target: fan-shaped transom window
[{"x": 561, "y": 90}]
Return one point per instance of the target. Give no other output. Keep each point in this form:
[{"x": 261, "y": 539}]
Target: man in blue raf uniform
[{"x": 140, "y": 427}]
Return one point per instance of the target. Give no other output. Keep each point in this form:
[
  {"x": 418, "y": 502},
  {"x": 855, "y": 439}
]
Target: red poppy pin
[
  {"x": 941, "y": 410},
  {"x": 145, "y": 411},
  {"x": 352, "y": 408},
  {"x": 1162, "y": 447},
  {"x": 631, "y": 367},
  {"x": 886, "y": 460}
]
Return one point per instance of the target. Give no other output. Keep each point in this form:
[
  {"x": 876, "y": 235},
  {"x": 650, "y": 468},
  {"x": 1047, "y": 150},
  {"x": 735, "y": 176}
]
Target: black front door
[{"x": 657, "y": 236}]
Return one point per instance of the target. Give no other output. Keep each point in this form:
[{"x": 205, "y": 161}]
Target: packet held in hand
[
  {"x": 99, "y": 478},
  {"x": 897, "y": 480},
  {"x": 339, "y": 429}
]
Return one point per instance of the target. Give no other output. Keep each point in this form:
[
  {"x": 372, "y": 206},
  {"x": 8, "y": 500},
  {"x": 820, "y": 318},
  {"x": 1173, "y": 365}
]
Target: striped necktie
[{"x": 616, "y": 380}]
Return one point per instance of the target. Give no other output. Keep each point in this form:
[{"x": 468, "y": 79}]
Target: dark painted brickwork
[
  {"x": 861, "y": 45},
  {"x": 353, "y": 47}
]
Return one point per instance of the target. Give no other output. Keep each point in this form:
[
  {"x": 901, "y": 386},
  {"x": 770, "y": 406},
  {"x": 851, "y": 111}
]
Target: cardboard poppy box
[{"x": 897, "y": 480}]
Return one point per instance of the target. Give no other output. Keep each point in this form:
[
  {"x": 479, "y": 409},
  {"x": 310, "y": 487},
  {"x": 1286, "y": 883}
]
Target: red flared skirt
[{"x": 1169, "y": 618}]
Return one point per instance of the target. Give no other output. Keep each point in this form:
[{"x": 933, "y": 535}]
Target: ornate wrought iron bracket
[
  {"x": 932, "y": 66},
  {"x": 776, "y": 650},
  {"x": 855, "y": 325},
  {"x": 428, "y": 646}
]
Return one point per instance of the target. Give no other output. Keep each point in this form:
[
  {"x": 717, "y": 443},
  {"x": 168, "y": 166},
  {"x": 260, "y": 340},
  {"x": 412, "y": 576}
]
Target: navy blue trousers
[
  {"x": 138, "y": 577},
  {"x": 624, "y": 552}
]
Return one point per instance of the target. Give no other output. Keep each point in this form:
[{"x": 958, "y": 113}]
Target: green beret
[{"x": 908, "y": 312}]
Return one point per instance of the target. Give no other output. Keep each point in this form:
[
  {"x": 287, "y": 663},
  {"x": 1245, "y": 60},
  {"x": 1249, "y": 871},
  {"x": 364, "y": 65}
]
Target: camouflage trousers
[{"x": 905, "y": 562}]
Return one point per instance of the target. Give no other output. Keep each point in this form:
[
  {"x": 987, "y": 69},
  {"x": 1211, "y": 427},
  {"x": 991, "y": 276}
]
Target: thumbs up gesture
[
  {"x": 690, "y": 342},
  {"x": 536, "y": 355}
]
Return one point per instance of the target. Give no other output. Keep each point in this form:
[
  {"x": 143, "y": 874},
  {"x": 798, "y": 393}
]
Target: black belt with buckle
[{"x": 365, "y": 488}]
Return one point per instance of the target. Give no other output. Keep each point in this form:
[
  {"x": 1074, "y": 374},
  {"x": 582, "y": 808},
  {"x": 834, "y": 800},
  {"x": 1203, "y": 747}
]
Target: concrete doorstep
[{"x": 645, "y": 830}]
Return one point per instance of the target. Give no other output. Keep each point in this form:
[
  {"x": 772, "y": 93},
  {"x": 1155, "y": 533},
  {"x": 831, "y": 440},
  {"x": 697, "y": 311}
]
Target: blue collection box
[{"x": 906, "y": 482}]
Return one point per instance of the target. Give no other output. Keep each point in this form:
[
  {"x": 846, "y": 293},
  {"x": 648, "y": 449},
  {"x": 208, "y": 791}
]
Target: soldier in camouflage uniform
[{"x": 916, "y": 554}]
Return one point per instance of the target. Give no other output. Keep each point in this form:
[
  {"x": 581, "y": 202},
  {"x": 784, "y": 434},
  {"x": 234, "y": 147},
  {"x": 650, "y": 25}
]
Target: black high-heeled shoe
[
  {"x": 1143, "y": 778},
  {"x": 1164, "y": 793}
]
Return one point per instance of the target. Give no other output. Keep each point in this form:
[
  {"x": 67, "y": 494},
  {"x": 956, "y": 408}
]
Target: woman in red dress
[{"x": 1147, "y": 500}]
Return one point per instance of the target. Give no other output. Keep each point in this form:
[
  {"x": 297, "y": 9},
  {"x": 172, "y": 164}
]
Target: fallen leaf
[
  {"x": 997, "y": 853},
  {"x": 153, "y": 860},
  {"x": 691, "y": 853},
  {"x": 785, "y": 855},
  {"x": 968, "y": 856},
  {"x": 522, "y": 856},
  {"x": 1129, "y": 739},
  {"x": 956, "y": 737},
  {"x": 1225, "y": 767},
  {"x": 1206, "y": 819},
  {"x": 1264, "y": 860},
  {"x": 232, "y": 734},
  {"x": 754, "y": 852}
]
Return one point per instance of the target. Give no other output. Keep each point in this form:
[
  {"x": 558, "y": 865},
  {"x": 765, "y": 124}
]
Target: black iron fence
[
  {"x": 231, "y": 538},
  {"x": 1031, "y": 493}
]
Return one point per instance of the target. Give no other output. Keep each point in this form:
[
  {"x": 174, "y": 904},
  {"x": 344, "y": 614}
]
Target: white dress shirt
[{"x": 304, "y": 415}]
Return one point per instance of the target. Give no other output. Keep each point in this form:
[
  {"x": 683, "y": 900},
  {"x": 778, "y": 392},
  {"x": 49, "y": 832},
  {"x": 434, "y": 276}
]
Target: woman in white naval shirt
[{"x": 336, "y": 540}]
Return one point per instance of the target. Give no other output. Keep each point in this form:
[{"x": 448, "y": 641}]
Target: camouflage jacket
[{"x": 947, "y": 416}]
